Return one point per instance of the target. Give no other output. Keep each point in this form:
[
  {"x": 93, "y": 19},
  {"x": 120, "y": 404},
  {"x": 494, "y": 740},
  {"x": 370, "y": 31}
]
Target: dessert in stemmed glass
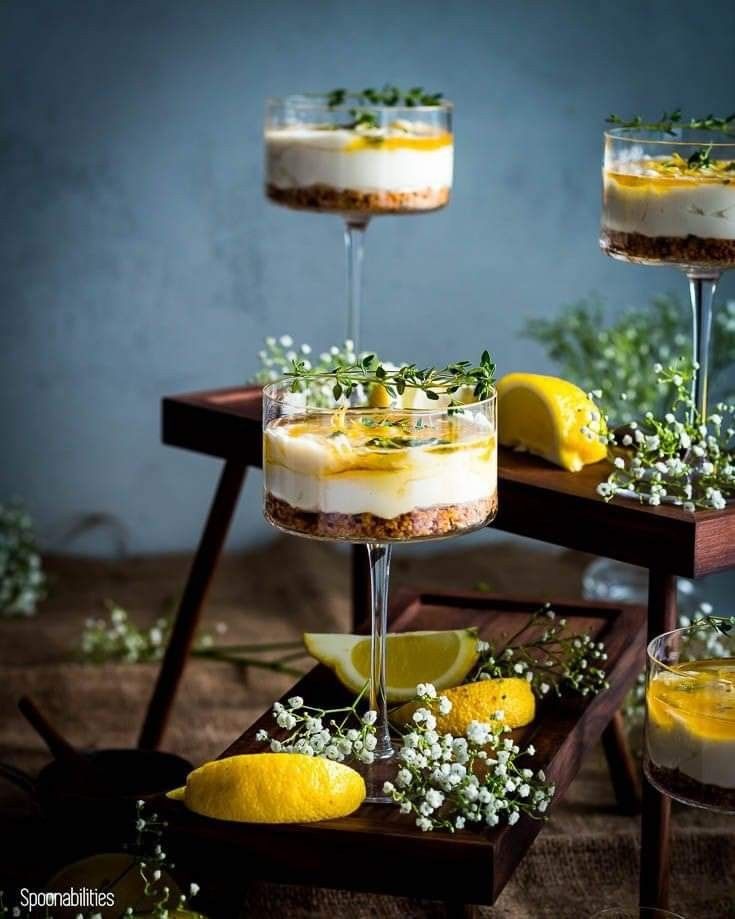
[
  {"x": 337, "y": 468},
  {"x": 669, "y": 199},
  {"x": 358, "y": 156},
  {"x": 690, "y": 716}
]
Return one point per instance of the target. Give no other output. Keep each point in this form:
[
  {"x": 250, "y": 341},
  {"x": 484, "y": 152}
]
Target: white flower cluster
[
  {"x": 119, "y": 639},
  {"x": 548, "y": 658},
  {"x": 446, "y": 782},
  {"x": 22, "y": 582},
  {"x": 278, "y": 355},
  {"x": 683, "y": 459},
  {"x": 312, "y": 732}
]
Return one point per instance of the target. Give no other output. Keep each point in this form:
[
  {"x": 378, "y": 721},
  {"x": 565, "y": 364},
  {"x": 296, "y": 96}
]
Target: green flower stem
[
  {"x": 258, "y": 648},
  {"x": 242, "y": 661}
]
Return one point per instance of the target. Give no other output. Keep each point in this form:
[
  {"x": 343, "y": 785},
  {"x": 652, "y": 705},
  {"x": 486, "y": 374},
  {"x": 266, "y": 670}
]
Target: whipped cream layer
[
  {"x": 692, "y": 729},
  {"x": 639, "y": 198},
  {"x": 328, "y": 471},
  {"x": 387, "y": 160}
]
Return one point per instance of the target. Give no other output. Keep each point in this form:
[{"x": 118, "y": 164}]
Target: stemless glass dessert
[
  {"x": 690, "y": 717},
  {"x": 341, "y": 469},
  {"x": 669, "y": 199},
  {"x": 359, "y": 155}
]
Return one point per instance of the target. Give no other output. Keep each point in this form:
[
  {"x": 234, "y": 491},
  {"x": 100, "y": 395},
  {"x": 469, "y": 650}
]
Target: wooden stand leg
[
  {"x": 655, "y": 820},
  {"x": 360, "y": 586},
  {"x": 190, "y": 607},
  {"x": 624, "y": 771}
]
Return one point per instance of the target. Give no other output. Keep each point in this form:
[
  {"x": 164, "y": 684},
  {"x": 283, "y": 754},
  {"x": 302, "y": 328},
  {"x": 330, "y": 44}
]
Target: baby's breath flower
[
  {"x": 678, "y": 459},
  {"x": 352, "y": 737},
  {"x": 439, "y": 785},
  {"x": 548, "y": 658},
  {"x": 445, "y": 705}
]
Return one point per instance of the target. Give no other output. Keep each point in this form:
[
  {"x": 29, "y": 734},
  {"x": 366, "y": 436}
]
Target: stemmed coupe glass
[
  {"x": 669, "y": 199},
  {"x": 690, "y": 716},
  {"x": 341, "y": 469},
  {"x": 340, "y": 154}
]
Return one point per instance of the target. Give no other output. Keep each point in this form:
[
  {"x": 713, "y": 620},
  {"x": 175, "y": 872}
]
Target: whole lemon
[{"x": 273, "y": 788}]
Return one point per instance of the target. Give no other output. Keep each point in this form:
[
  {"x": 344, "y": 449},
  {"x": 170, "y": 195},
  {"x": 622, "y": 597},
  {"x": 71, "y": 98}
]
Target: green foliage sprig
[
  {"x": 389, "y": 95},
  {"x": 670, "y": 122},
  {"x": 614, "y": 356},
  {"x": 434, "y": 382},
  {"x": 22, "y": 581}
]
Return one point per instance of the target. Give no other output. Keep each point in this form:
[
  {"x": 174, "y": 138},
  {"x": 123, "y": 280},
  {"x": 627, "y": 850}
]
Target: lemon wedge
[
  {"x": 273, "y": 788},
  {"x": 441, "y": 658},
  {"x": 551, "y": 418},
  {"x": 479, "y": 702}
]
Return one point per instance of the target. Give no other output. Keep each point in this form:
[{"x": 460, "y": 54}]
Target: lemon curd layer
[
  {"x": 665, "y": 197},
  {"x": 403, "y": 157},
  {"x": 691, "y": 720},
  {"x": 386, "y": 464}
]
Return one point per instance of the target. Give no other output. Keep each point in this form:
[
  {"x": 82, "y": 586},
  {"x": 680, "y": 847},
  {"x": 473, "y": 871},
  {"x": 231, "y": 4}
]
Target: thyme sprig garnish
[
  {"x": 389, "y": 95},
  {"x": 670, "y": 122},
  {"x": 368, "y": 371},
  {"x": 722, "y": 624},
  {"x": 700, "y": 159}
]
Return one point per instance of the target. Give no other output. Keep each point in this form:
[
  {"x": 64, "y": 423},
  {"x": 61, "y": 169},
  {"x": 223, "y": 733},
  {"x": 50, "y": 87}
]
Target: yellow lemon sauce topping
[
  {"x": 699, "y": 697},
  {"x": 332, "y": 444},
  {"x": 386, "y": 463},
  {"x": 662, "y": 174}
]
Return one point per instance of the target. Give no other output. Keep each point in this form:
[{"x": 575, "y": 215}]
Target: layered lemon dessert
[
  {"x": 402, "y": 167},
  {"x": 691, "y": 732},
  {"x": 380, "y": 475},
  {"x": 668, "y": 209}
]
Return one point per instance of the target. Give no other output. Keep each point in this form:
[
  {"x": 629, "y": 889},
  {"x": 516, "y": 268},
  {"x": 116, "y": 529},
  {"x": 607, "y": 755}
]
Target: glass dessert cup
[
  {"x": 669, "y": 199},
  {"x": 690, "y": 717},
  {"x": 377, "y": 476},
  {"x": 357, "y": 161}
]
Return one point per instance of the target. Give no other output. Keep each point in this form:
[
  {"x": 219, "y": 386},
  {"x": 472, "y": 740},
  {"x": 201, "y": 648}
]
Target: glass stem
[
  {"x": 354, "y": 250},
  {"x": 379, "y": 556},
  {"x": 702, "y": 287}
]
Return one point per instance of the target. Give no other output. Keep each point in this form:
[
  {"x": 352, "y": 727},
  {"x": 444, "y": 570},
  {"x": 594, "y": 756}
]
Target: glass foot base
[{"x": 376, "y": 775}]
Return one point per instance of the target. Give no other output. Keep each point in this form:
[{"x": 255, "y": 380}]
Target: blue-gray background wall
[{"x": 138, "y": 257}]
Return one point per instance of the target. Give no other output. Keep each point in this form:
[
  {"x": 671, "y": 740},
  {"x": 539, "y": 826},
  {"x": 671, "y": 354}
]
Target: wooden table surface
[
  {"x": 536, "y": 499},
  {"x": 379, "y": 849}
]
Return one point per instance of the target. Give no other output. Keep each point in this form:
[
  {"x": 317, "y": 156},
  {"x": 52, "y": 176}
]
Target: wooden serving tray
[{"x": 378, "y": 849}]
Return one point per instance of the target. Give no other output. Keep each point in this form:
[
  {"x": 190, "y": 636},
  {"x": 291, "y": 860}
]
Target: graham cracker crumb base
[
  {"x": 351, "y": 201},
  {"x": 422, "y": 523}
]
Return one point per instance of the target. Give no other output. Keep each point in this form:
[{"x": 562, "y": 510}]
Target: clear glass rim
[
  {"x": 663, "y": 666},
  {"x": 273, "y": 391},
  {"x": 637, "y": 135},
  {"x": 320, "y": 101}
]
